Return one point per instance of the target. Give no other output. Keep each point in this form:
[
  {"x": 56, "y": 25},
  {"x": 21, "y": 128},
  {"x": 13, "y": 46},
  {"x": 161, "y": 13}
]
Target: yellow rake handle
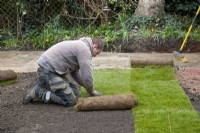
[{"x": 190, "y": 28}]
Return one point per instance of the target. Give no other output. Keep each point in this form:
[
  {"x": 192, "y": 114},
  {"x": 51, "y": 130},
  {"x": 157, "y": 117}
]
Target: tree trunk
[{"x": 150, "y": 7}]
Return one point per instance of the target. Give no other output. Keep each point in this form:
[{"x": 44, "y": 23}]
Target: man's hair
[{"x": 98, "y": 42}]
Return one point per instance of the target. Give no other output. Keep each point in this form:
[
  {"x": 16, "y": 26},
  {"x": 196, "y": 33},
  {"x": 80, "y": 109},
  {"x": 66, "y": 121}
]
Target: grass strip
[
  {"x": 111, "y": 81},
  {"x": 7, "y": 82},
  {"x": 163, "y": 105}
]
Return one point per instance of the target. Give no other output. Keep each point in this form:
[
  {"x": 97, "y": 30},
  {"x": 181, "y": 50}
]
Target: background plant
[{"x": 44, "y": 23}]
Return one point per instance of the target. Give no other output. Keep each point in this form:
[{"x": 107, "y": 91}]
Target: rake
[{"x": 178, "y": 54}]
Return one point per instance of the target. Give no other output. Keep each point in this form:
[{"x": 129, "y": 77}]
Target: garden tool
[{"x": 178, "y": 54}]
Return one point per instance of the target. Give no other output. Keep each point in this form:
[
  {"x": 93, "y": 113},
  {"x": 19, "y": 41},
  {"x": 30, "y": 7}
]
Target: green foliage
[
  {"x": 43, "y": 31},
  {"x": 167, "y": 32},
  {"x": 8, "y": 39},
  {"x": 182, "y": 7},
  {"x": 144, "y": 33},
  {"x": 155, "y": 22},
  {"x": 12, "y": 42},
  {"x": 51, "y": 34},
  {"x": 196, "y": 34},
  {"x": 161, "y": 28},
  {"x": 111, "y": 31},
  {"x": 123, "y": 5}
]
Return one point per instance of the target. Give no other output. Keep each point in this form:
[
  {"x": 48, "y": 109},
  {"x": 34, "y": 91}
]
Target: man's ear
[{"x": 95, "y": 46}]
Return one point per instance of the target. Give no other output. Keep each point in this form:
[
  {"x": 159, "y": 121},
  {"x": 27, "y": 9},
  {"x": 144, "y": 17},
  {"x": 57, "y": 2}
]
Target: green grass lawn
[{"x": 163, "y": 106}]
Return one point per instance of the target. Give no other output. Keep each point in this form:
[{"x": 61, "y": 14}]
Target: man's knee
[{"x": 71, "y": 97}]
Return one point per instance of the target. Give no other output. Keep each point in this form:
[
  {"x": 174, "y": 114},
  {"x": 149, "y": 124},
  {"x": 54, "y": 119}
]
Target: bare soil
[
  {"x": 150, "y": 45},
  {"x": 189, "y": 79},
  {"x": 133, "y": 45},
  {"x": 43, "y": 118}
]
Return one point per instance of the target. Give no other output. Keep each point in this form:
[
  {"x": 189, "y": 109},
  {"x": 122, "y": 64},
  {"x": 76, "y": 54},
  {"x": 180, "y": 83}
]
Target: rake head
[{"x": 180, "y": 56}]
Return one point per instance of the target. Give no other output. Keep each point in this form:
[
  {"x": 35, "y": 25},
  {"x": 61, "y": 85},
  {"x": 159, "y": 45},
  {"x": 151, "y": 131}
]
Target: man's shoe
[{"x": 30, "y": 95}]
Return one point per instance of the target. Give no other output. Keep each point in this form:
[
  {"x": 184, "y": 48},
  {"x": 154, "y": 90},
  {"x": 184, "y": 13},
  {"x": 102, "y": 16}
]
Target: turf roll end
[{"x": 7, "y": 75}]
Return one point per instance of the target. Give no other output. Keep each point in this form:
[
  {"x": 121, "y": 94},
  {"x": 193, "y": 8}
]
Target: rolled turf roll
[
  {"x": 7, "y": 75},
  {"x": 135, "y": 62},
  {"x": 109, "y": 102}
]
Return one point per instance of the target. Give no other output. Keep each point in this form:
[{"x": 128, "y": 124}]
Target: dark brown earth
[
  {"x": 166, "y": 46},
  {"x": 38, "y": 117},
  {"x": 150, "y": 45},
  {"x": 133, "y": 45},
  {"x": 43, "y": 118}
]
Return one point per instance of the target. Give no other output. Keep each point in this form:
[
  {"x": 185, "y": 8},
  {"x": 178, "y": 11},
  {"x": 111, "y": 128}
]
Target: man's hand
[{"x": 95, "y": 93}]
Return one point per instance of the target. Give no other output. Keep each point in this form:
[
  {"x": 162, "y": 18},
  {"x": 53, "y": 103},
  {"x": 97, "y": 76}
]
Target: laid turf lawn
[{"x": 163, "y": 106}]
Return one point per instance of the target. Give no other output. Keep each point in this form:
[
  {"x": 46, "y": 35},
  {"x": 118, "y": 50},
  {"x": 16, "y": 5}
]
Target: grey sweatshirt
[{"x": 68, "y": 57}]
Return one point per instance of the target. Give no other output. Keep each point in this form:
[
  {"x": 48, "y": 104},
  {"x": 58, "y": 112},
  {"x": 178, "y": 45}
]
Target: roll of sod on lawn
[
  {"x": 138, "y": 62},
  {"x": 7, "y": 75},
  {"x": 109, "y": 102}
]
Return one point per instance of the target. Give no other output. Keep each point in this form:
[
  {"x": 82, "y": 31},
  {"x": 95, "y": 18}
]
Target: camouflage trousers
[{"x": 58, "y": 89}]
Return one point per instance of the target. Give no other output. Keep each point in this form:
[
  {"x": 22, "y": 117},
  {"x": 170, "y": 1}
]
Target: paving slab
[{"x": 26, "y": 61}]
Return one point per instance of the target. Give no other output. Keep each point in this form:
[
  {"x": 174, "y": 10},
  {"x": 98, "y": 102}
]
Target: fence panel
[
  {"x": 8, "y": 14},
  {"x": 38, "y": 12}
]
